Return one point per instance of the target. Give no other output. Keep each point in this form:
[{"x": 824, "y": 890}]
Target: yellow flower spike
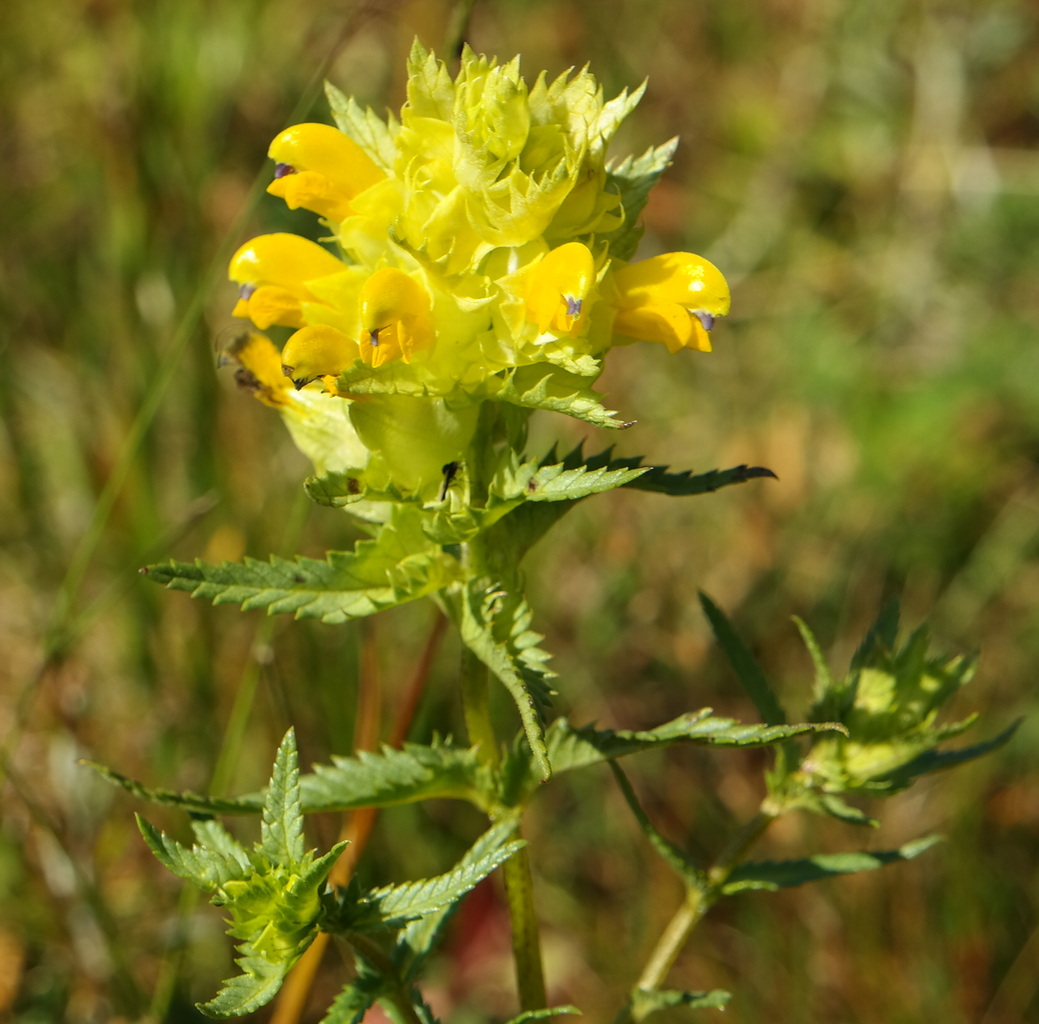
[
  {"x": 395, "y": 317},
  {"x": 272, "y": 272},
  {"x": 320, "y": 169},
  {"x": 558, "y": 285},
  {"x": 259, "y": 368},
  {"x": 673, "y": 299},
  {"x": 316, "y": 351}
]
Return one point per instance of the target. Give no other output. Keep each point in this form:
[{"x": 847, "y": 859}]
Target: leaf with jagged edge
[
  {"x": 688, "y": 484},
  {"x": 365, "y": 127},
  {"x": 194, "y": 803},
  {"x": 273, "y": 894},
  {"x": 539, "y": 386},
  {"x": 396, "y": 905},
  {"x": 772, "y": 875},
  {"x": 256, "y": 986},
  {"x": 646, "y": 1001},
  {"x": 204, "y": 867},
  {"x": 418, "y": 938},
  {"x": 350, "y": 1005},
  {"x": 398, "y": 565},
  {"x": 392, "y": 777},
  {"x": 570, "y": 748},
  {"x": 526, "y": 524},
  {"x": 633, "y": 178},
  {"x": 568, "y": 479},
  {"x": 386, "y": 778},
  {"x": 494, "y": 625},
  {"x": 281, "y": 823}
]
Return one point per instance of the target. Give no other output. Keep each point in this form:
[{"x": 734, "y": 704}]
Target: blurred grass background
[{"x": 867, "y": 177}]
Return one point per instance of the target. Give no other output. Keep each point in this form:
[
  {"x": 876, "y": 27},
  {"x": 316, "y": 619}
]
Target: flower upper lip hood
[
  {"x": 320, "y": 169},
  {"x": 272, "y": 272},
  {"x": 673, "y": 298}
]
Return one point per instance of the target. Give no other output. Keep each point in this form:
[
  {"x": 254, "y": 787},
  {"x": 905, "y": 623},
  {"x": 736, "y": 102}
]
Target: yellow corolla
[
  {"x": 272, "y": 272},
  {"x": 557, "y": 288},
  {"x": 673, "y": 299},
  {"x": 317, "y": 350},
  {"x": 320, "y": 169},
  {"x": 396, "y": 317}
]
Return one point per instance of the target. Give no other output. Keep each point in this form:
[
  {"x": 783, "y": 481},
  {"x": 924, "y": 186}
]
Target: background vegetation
[{"x": 866, "y": 174}]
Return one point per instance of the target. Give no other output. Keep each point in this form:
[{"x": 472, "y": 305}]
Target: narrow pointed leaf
[
  {"x": 941, "y": 760},
  {"x": 747, "y": 669},
  {"x": 186, "y": 801},
  {"x": 675, "y": 858},
  {"x": 770, "y": 875}
]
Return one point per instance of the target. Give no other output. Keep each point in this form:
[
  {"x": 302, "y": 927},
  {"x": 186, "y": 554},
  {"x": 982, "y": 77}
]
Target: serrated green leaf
[
  {"x": 396, "y": 905},
  {"x": 647, "y": 1001},
  {"x": 570, "y": 748},
  {"x": 391, "y": 777},
  {"x": 354, "y": 1000},
  {"x": 771, "y": 875},
  {"x": 211, "y": 835},
  {"x": 494, "y": 626},
  {"x": 546, "y": 1014},
  {"x": 687, "y": 484},
  {"x": 633, "y": 178},
  {"x": 256, "y": 986},
  {"x": 747, "y": 669},
  {"x": 186, "y": 801},
  {"x": 399, "y": 565},
  {"x": 540, "y": 386},
  {"x": 205, "y": 868},
  {"x": 365, "y": 127},
  {"x": 281, "y": 824}
]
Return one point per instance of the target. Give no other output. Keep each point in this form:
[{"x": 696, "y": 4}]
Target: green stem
[
  {"x": 526, "y": 941},
  {"x": 519, "y": 886},
  {"x": 698, "y": 900},
  {"x": 400, "y": 1008}
]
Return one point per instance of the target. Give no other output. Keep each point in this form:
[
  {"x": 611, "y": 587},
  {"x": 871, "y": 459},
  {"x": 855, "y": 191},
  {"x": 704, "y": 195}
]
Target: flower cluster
[{"x": 482, "y": 234}]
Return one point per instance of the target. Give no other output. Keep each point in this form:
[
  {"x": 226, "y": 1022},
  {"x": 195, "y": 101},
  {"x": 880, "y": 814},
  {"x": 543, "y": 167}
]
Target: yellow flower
[
  {"x": 317, "y": 351},
  {"x": 673, "y": 299},
  {"x": 272, "y": 272},
  {"x": 557, "y": 288},
  {"x": 319, "y": 168},
  {"x": 395, "y": 317}
]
